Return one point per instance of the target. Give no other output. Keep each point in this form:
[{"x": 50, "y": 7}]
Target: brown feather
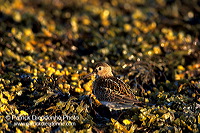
[{"x": 113, "y": 89}]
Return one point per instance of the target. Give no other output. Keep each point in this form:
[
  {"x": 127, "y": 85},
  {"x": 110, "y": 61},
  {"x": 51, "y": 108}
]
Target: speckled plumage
[{"x": 111, "y": 91}]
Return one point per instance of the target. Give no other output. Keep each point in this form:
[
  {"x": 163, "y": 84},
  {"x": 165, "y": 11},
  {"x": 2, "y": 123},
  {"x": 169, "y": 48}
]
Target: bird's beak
[{"x": 90, "y": 74}]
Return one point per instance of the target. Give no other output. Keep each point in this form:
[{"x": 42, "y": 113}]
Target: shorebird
[{"x": 111, "y": 91}]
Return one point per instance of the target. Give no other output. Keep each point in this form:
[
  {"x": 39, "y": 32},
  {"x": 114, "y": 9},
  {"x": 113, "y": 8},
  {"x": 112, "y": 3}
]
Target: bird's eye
[{"x": 99, "y": 68}]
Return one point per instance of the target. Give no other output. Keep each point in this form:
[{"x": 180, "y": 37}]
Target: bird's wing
[{"x": 118, "y": 91}]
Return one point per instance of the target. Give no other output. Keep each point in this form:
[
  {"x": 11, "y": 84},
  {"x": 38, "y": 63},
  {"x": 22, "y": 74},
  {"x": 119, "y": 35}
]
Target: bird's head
[{"x": 101, "y": 70}]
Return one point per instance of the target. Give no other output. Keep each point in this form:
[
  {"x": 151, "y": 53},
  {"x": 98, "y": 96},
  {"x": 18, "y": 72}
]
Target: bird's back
[{"x": 112, "y": 89}]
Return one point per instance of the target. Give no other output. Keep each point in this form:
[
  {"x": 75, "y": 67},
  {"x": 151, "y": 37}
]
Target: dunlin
[{"x": 111, "y": 91}]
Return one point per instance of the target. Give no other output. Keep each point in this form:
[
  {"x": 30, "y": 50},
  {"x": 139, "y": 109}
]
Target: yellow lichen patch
[
  {"x": 28, "y": 59},
  {"x": 194, "y": 95},
  {"x": 152, "y": 119},
  {"x": 27, "y": 69},
  {"x": 79, "y": 90},
  {"x": 166, "y": 116},
  {"x": 46, "y": 32},
  {"x": 137, "y": 23},
  {"x": 12, "y": 54},
  {"x": 3, "y": 108},
  {"x": 196, "y": 66},
  {"x": 104, "y": 14},
  {"x": 1, "y": 86},
  {"x": 198, "y": 119},
  {"x": 4, "y": 101},
  {"x": 135, "y": 31},
  {"x": 22, "y": 112},
  {"x": 28, "y": 32},
  {"x": 152, "y": 26},
  {"x": 83, "y": 74},
  {"x": 95, "y": 99},
  {"x": 138, "y": 14},
  {"x": 167, "y": 81},
  {"x": 80, "y": 67},
  {"x": 58, "y": 66},
  {"x": 42, "y": 70},
  {"x": 180, "y": 88},
  {"x": 58, "y": 73},
  {"x": 105, "y": 22},
  {"x": 69, "y": 68},
  {"x": 193, "y": 67},
  {"x": 34, "y": 77},
  {"x": 188, "y": 39},
  {"x": 17, "y": 4},
  {"x": 50, "y": 71},
  {"x": 60, "y": 86},
  {"x": 88, "y": 86},
  {"x": 127, "y": 122},
  {"x": 146, "y": 100},
  {"x": 66, "y": 72},
  {"x": 86, "y": 21},
  {"x": 179, "y": 76},
  {"x": 74, "y": 24},
  {"x": 14, "y": 31},
  {"x": 157, "y": 50},
  {"x": 17, "y": 16},
  {"x": 164, "y": 44},
  {"x": 16, "y": 111},
  {"x": 18, "y": 130},
  {"x": 150, "y": 52},
  {"x": 148, "y": 92},
  {"x": 181, "y": 68},
  {"x": 127, "y": 27},
  {"x": 75, "y": 76},
  {"x": 142, "y": 116},
  {"x": 1, "y": 119},
  {"x": 51, "y": 26},
  {"x": 66, "y": 86},
  {"x": 140, "y": 39},
  {"x": 8, "y": 95},
  {"x": 44, "y": 49},
  {"x": 32, "y": 124},
  {"x": 118, "y": 126},
  {"x": 73, "y": 83},
  {"x": 170, "y": 35},
  {"x": 92, "y": 77}
]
